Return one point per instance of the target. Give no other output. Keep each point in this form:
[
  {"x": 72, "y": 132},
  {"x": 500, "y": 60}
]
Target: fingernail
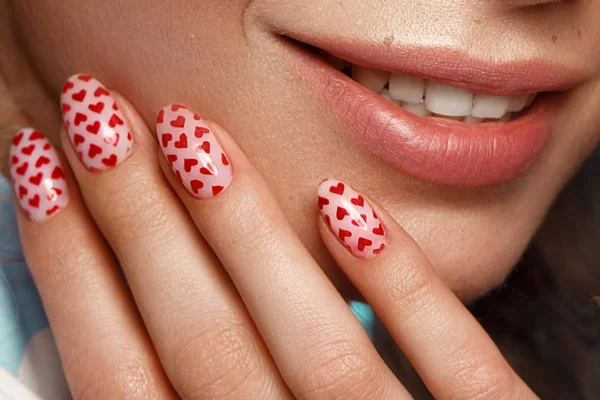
[
  {"x": 95, "y": 125},
  {"x": 352, "y": 219},
  {"x": 37, "y": 175},
  {"x": 193, "y": 151}
]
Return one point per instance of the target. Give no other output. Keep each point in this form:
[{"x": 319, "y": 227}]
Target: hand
[{"x": 221, "y": 299}]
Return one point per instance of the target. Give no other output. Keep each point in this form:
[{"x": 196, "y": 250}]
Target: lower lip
[{"x": 432, "y": 149}]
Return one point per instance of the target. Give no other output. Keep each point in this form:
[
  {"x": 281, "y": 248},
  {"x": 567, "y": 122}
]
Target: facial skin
[{"x": 225, "y": 59}]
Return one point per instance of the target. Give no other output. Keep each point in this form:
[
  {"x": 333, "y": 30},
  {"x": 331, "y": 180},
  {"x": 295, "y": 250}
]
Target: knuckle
[
  {"x": 340, "y": 370},
  {"x": 410, "y": 290},
  {"x": 221, "y": 362}
]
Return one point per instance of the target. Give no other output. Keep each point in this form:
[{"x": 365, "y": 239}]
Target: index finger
[{"x": 452, "y": 353}]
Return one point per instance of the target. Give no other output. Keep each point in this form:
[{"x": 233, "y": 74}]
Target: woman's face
[{"x": 471, "y": 195}]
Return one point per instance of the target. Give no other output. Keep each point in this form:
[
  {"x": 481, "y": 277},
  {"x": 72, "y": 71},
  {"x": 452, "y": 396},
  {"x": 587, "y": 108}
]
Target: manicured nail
[
  {"x": 95, "y": 124},
  {"x": 37, "y": 175},
  {"x": 193, "y": 151},
  {"x": 352, "y": 219}
]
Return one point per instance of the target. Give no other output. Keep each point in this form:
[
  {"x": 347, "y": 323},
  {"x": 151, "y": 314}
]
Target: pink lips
[{"x": 432, "y": 149}]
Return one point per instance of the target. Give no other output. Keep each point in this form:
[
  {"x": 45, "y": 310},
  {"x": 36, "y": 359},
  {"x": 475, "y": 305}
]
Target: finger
[
  {"x": 102, "y": 343},
  {"x": 320, "y": 348},
  {"x": 452, "y": 353},
  {"x": 204, "y": 336}
]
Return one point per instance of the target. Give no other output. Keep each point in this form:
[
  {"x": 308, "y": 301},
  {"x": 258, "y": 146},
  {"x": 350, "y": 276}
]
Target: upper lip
[{"x": 453, "y": 67}]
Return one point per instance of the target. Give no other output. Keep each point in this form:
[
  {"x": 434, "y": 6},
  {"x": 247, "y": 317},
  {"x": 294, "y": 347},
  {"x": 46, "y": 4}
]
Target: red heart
[
  {"x": 182, "y": 143},
  {"x": 196, "y": 185},
  {"x": 161, "y": 117},
  {"x": 35, "y": 135},
  {"x": 94, "y": 150},
  {"x": 176, "y": 107},
  {"x": 66, "y": 108},
  {"x": 36, "y": 179},
  {"x": 14, "y": 160},
  {"x": 200, "y": 131},
  {"x": 41, "y": 161},
  {"x": 58, "y": 173},
  {"x": 341, "y": 213},
  {"x": 17, "y": 139},
  {"x": 115, "y": 106},
  {"x": 101, "y": 92},
  {"x": 359, "y": 201},
  {"x": 22, "y": 169},
  {"x": 206, "y": 147},
  {"x": 112, "y": 139},
  {"x": 179, "y": 122},
  {"x": 78, "y": 139},
  {"x": 171, "y": 158},
  {"x": 79, "y": 96},
  {"x": 79, "y": 118},
  {"x": 35, "y": 201},
  {"x": 114, "y": 121},
  {"x": 344, "y": 234},
  {"x": 208, "y": 171},
  {"x": 379, "y": 230},
  {"x": 52, "y": 210},
  {"x": 339, "y": 189},
  {"x": 166, "y": 138},
  {"x": 356, "y": 223},
  {"x": 68, "y": 85},
  {"x": 97, "y": 108},
  {"x": 217, "y": 189},
  {"x": 362, "y": 243},
  {"x": 128, "y": 136},
  {"x": 22, "y": 191},
  {"x": 196, "y": 117},
  {"x": 323, "y": 202},
  {"x": 380, "y": 249},
  {"x": 224, "y": 159},
  {"x": 188, "y": 163},
  {"x": 47, "y": 146},
  {"x": 28, "y": 150},
  {"x": 328, "y": 220},
  {"x": 110, "y": 161},
  {"x": 93, "y": 128},
  {"x": 84, "y": 77}
]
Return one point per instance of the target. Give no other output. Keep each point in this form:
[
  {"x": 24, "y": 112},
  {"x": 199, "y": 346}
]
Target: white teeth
[
  {"x": 417, "y": 109},
  {"x": 446, "y": 100},
  {"x": 407, "y": 88},
  {"x": 370, "y": 78},
  {"x": 489, "y": 106},
  {"x": 386, "y": 95},
  {"x": 531, "y": 98},
  {"x": 469, "y": 119},
  {"x": 517, "y": 103}
]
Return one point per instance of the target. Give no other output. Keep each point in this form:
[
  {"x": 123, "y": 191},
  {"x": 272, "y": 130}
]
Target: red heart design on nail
[
  {"x": 79, "y": 118},
  {"x": 17, "y": 139},
  {"x": 47, "y": 146},
  {"x": 35, "y": 135},
  {"x": 166, "y": 138},
  {"x": 380, "y": 249},
  {"x": 101, "y": 92},
  {"x": 66, "y": 108},
  {"x": 84, "y": 77},
  {"x": 68, "y": 85},
  {"x": 171, "y": 158},
  {"x": 78, "y": 139},
  {"x": 341, "y": 213},
  {"x": 344, "y": 234},
  {"x": 323, "y": 202},
  {"x": 179, "y": 122},
  {"x": 110, "y": 161},
  {"x": 114, "y": 121},
  {"x": 362, "y": 243},
  {"x": 224, "y": 159},
  {"x": 338, "y": 189},
  {"x": 28, "y": 150},
  {"x": 115, "y": 106},
  {"x": 200, "y": 131},
  {"x": 112, "y": 139},
  {"x": 161, "y": 117},
  {"x": 359, "y": 201},
  {"x": 94, "y": 150},
  {"x": 129, "y": 136},
  {"x": 93, "y": 128},
  {"x": 79, "y": 96},
  {"x": 36, "y": 179},
  {"x": 379, "y": 230},
  {"x": 208, "y": 171},
  {"x": 97, "y": 108},
  {"x": 53, "y": 194},
  {"x": 328, "y": 220},
  {"x": 41, "y": 161},
  {"x": 206, "y": 147},
  {"x": 22, "y": 191},
  {"x": 182, "y": 143},
  {"x": 217, "y": 189},
  {"x": 196, "y": 117},
  {"x": 58, "y": 173},
  {"x": 188, "y": 163},
  {"x": 196, "y": 185},
  {"x": 176, "y": 107},
  {"x": 356, "y": 223},
  {"x": 14, "y": 160},
  {"x": 22, "y": 169},
  {"x": 52, "y": 210},
  {"x": 35, "y": 201}
]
